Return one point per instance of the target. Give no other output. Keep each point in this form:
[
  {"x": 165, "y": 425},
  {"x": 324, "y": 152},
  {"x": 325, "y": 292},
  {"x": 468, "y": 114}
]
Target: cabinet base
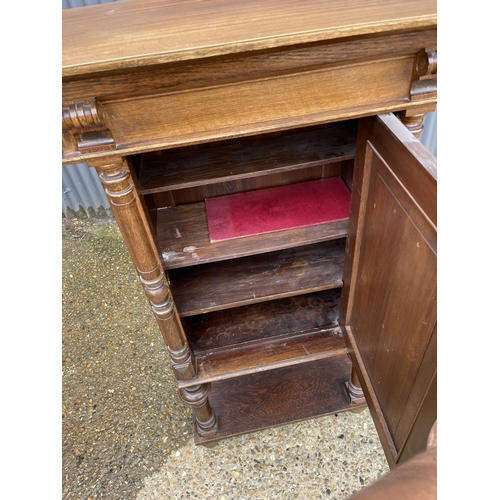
[{"x": 278, "y": 397}]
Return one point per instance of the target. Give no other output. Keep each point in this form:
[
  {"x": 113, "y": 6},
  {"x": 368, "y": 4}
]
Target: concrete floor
[{"x": 126, "y": 433}]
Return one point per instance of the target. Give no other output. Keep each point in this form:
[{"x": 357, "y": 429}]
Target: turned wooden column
[
  {"x": 413, "y": 122},
  {"x": 197, "y": 397},
  {"x": 354, "y": 390},
  {"x": 354, "y": 387},
  {"x": 130, "y": 215}
]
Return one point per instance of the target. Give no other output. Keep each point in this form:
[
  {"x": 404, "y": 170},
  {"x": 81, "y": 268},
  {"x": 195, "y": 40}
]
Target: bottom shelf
[{"x": 282, "y": 396}]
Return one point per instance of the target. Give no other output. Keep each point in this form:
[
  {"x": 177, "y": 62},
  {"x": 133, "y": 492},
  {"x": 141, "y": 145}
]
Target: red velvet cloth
[{"x": 275, "y": 209}]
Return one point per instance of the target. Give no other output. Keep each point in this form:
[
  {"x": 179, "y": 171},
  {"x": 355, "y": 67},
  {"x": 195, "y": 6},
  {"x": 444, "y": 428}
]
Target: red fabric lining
[{"x": 276, "y": 209}]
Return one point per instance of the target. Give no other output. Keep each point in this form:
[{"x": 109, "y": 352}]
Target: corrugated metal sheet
[
  {"x": 82, "y": 193},
  {"x": 428, "y": 137},
  {"x": 70, "y": 4}
]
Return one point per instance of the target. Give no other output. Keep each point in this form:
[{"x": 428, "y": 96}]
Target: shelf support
[{"x": 130, "y": 215}]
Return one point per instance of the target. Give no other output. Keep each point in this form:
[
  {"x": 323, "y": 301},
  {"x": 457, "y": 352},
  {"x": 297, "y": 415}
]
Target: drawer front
[
  {"x": 254, "y": 106},
  {"x": 257, "y": 105}
]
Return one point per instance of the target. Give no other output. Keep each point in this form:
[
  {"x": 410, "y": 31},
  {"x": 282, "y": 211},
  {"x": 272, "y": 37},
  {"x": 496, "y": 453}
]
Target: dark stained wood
[
  {"x": 389, "y": 304},
  {"x": 236, "y": 282},
  {"x": 418, "y": 412},
  {"x": 257, "y": 322},
  {"x": 405, "y": 262},
  {"x": 267, "y": 354},
  {"x": 174, "y": 170},
  {"x": 183, "y": 238},
  {"x": 290, "y": 394},
  {"x": 266, "y": 180},
  {"x": 129, "y": 212},
  {"x": 346, "y": 169},
  {"x": 265, "y": 336},
  {"x": 425, "y": 418}
]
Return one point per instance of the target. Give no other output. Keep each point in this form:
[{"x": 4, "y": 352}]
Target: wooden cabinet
[{"x": 177, "y": 103}]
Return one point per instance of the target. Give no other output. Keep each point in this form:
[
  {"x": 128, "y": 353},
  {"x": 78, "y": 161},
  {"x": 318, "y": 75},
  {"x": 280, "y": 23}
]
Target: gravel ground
[{"x": 127, "y": 435}]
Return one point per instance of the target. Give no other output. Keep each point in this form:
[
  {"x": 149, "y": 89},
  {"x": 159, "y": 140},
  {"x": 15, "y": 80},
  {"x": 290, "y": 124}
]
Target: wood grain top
[{"x": 137, "y": 33}]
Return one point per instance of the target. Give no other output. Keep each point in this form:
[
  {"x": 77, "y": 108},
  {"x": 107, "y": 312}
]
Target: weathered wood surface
[
  {"x": 268, "y": 354},
  {"x": 289, "y": 394},
  {"x": 183, "y": 238},
  {"x": 265, "y": 336},
  {"x": 135, "y": 34},
  {"x": 173, "y": 170},
  {"x": 248, "y": 280},
  {"x": 268, "y": 179},
  {"x": 256, "y": 322},
  {"x": 161, "y": 74}
]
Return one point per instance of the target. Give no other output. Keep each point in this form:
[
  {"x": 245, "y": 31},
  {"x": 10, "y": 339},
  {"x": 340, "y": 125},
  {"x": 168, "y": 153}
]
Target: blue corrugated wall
[{"x": 82, "y": 193}]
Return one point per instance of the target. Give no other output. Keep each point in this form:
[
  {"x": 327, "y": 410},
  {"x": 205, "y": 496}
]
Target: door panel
[{"x": 389, "y": 310}]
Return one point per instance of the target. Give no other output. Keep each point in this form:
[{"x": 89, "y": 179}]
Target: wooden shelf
[
  {"x": 293, "y": 393},
  {"x": 255, "y": 322},
  {"x": 206, "y": 164},
  {"x": 247, "y": 280},
  {"x": 265, "y": 336},
  {"x": 183, "y": 238},
  {"x": 268, "y": 354}
]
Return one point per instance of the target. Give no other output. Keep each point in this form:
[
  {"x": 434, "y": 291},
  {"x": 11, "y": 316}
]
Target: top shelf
[
  {"x": 142, "y": 33},
  {"x": 210, "y": 164}
]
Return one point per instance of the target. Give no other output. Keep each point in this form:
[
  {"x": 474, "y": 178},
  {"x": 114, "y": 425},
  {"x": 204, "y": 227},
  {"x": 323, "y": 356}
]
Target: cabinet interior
[{"x": 254, "y": 304}]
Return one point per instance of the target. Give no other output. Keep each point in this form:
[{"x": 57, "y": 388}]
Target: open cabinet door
[{"x": 389, "y": 298}]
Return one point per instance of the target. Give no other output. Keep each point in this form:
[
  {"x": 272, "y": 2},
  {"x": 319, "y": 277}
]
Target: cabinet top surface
[{"x": 138, "y": 33}]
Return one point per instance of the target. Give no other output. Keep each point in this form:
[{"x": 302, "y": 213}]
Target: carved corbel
[
  {"x": 423, "y": 88},
  {"x": 83, "y": 124},
  {"x": 424, "y": 75}
]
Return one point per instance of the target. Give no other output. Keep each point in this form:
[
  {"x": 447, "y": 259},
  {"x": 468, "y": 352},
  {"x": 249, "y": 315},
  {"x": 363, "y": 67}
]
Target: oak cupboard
[{"x": 177, "y": 103}]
